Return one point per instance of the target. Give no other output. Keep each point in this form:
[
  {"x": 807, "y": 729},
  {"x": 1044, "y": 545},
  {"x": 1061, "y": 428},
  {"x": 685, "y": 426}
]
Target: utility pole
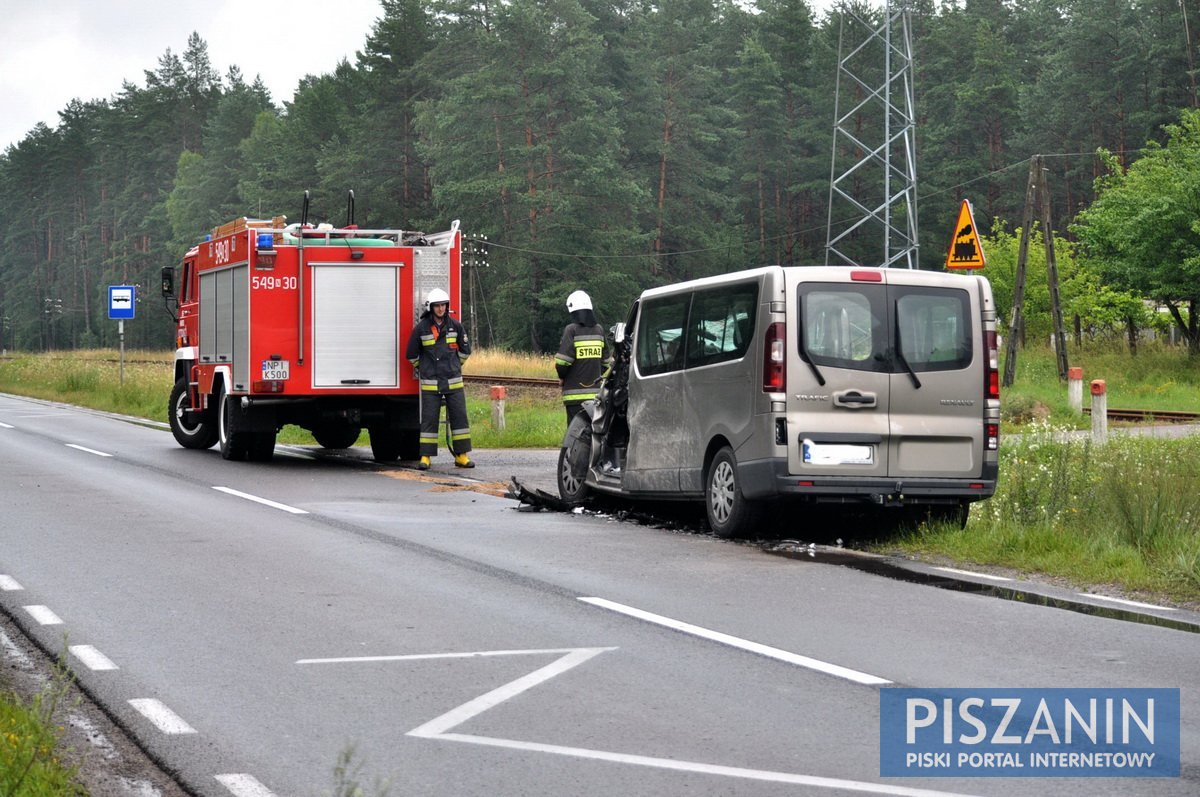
[{"x": 1036, "y": 192}]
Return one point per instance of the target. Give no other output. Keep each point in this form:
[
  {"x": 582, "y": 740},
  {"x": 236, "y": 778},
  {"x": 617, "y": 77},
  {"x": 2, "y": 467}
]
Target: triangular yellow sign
[{"x": 965, "y": 249}]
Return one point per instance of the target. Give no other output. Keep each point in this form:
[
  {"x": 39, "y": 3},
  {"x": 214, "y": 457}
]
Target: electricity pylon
[{"x": 873, "y": 171}]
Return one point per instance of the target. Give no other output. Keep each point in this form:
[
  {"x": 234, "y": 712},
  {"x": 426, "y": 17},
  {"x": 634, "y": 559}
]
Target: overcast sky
[{"x": 52, "y": 51}]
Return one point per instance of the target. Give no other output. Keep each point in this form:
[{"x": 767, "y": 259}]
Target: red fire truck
[{"x": 303, "y": 325}]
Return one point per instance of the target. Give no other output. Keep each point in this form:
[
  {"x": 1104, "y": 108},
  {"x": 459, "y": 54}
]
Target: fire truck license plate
[{"x": 275, "y": 369}]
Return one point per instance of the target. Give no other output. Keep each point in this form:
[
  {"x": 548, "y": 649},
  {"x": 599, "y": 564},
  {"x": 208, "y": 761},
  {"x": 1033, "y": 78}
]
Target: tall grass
[{"x": 1126, "y": 513}]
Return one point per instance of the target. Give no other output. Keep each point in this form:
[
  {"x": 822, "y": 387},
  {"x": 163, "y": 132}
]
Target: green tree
[{"x": 1142, "y": 230}]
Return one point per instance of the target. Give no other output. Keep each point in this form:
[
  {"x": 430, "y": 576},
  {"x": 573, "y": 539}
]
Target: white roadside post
[
  {"x": 499, "y": 393},
  {"x": 1099, "y": 411},
  {"x": 1075, "y": 390}
]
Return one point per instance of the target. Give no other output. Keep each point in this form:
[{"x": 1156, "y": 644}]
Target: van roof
[{"x": 833, "y": 273}]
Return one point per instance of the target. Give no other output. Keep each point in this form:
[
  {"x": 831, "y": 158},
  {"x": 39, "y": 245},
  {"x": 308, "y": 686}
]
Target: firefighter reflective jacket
[
  {"x": 438, "y": 351},
  {"x": 582, "y": 361}
]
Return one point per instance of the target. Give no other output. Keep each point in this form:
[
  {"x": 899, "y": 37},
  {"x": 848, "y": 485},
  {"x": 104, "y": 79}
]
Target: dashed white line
[
  {"x": 244, "y": 785},
  {"x": 88, "y": 450},
  {"x": 264, "y": 501},
  {"x": 5, "y": 426},
  {"x": 162, "y": 717},
  {"x": 743, "y": 644},
  {"x": 43, "y": 615},
  {"x": 92, "y": 658},
  {"x": 1124, "y": 602},
  {"x": 9, "y": 584}
]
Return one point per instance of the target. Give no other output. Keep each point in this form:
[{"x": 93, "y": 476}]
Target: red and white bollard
[
  {"x": 1075, "y": 390},
  {"x": 1099, "y": 411},
  {"x": 499, "y": 393}
]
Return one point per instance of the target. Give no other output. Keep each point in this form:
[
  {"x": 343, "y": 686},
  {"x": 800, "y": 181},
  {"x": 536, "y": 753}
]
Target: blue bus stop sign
[{"x": 121, "y": 300}]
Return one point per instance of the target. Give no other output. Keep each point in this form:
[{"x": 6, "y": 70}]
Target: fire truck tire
[
  {"x": 386, "y": 443},
  {"x": 262, "y": 446},
  {"x": 336, "y": 435},
  {"x": 235, "y": 445},
  {"x": 191, "y": 430}
]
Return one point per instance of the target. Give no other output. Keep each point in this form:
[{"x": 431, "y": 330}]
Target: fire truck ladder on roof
[{"x": 874, "y": 141}]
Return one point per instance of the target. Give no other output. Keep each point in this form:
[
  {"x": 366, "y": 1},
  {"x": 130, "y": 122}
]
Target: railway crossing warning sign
[{"x": 965, "y": 249}]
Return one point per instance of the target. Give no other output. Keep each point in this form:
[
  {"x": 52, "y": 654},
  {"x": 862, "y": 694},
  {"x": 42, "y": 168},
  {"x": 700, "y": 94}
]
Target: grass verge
[{"x": 30, "y": 740}]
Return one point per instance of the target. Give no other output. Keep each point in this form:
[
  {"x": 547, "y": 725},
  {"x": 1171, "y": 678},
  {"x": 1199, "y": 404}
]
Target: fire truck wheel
[
  {"x": 191, "y": 429},
  {"x": 336, "y": 435},
  {"x": 262, "y": 447},
  {"x": 235, "y": 444},
  {"x": 385, "y": 444}
]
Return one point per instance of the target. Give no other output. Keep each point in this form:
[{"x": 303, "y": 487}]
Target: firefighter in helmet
[
  {"x": 437, "y": 348},
  {"x": 583, "y": 357}
]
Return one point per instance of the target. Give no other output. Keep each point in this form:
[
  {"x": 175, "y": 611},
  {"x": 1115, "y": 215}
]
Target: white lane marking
[
  {"x": 743, "y": 644},
  {"x": 257, "y": 500},
  {"x": 426, "y": 656},
  {"x": 1124, "y": 602},
  {"x": 439, "y": 727},
  {"x": 9, "y": 584},
  {"x": 700, "y": 768},
  {"x": 43, "y": 615},
  {"x": 972, "y": 573},
  {"x": 92, "y": 658},
  {"x": 244, "y": 785},
  {"x": 472, "y": 708},
  {"x": 162, "y": 717},
  {"x": 87, "y": 450},
  {"x": 5, "y": 426}
]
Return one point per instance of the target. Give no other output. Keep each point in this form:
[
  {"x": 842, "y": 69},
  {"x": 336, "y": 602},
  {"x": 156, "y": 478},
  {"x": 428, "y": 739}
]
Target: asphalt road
[{"x": 254, "y": 624}]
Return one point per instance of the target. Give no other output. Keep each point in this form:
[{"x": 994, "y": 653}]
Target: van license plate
[
  {"x": 836, "y": 454},
  {"x": 275, "y": 369}
]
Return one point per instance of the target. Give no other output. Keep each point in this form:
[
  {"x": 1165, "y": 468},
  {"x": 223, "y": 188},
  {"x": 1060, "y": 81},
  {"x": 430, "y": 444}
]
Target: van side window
[
  {"x": 934, "y": 333},
  {"x": 845, "y": 326},
  {"x": 721, "y": 324},
  {"x": 660, "y": 334}
]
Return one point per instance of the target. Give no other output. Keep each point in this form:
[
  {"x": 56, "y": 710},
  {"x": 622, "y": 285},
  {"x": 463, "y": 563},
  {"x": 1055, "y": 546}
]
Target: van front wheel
[
  {"x": 572, "y": 473},
  {"x": 730, "y": 514}
]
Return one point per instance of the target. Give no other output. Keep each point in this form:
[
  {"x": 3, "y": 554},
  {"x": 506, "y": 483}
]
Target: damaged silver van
[{"x": 805, "y": 384}]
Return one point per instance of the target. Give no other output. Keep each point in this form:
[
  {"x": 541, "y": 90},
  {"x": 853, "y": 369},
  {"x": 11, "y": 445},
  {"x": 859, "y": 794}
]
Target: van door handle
[{"x": 853, "y": 399}]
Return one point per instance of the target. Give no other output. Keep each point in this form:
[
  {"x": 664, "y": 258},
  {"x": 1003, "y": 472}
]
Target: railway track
[
  {"x": 517, "y": 381},
  {"x": 1149, "y": 416}
]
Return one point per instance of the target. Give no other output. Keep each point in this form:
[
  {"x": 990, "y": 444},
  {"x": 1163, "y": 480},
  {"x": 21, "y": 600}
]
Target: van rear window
[{"x": 860, "y": 327}]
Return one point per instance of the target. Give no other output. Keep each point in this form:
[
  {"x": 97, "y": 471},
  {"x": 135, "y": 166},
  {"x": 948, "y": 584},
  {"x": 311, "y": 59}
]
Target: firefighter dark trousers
[{"x": 456, "y": 414}]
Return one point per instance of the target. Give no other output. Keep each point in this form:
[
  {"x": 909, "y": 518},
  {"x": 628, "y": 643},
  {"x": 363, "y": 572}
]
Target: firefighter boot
[
  {"x": 463, "y": 461},
  {"x": 423, "y": 464}
]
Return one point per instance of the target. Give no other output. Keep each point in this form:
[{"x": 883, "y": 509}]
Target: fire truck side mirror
[{"x": 168, "y": 281}]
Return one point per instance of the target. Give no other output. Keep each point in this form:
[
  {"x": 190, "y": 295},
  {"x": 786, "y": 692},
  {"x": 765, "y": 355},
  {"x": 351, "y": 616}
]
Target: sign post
[{"x": 121, "y": 302}]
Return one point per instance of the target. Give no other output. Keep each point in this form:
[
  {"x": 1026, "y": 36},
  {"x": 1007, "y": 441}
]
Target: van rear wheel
[{"x": 730, "y": 514}]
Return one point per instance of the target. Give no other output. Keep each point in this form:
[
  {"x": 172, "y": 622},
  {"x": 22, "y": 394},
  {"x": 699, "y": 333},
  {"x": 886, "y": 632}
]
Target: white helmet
[
  {"x": 578, "y": 301},
  {"x": 436, "y": 296}
]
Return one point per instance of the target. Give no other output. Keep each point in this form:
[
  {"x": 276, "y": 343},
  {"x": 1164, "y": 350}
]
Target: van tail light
[
  {"x": 991, "y": 434},
  {"x": 775, "y": 359},
  {"x": 992, "y": 375}
]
